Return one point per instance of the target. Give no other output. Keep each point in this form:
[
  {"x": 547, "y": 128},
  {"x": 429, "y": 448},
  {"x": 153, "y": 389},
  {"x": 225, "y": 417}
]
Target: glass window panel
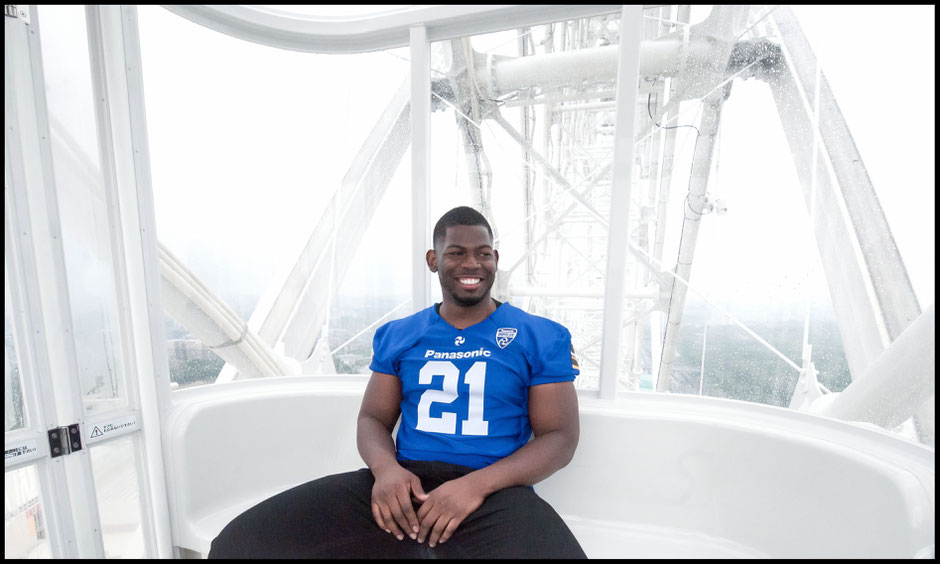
[
  {"x": 14, "y": 402},
  {"x": 114, "y": 466},
  {"x": 525, "y": 143},
  {"x": 377, "y": 285},
  {"x": 758, "y": 261},
  {"x": 898, "y": 152},
  {"x": 248, "y": 144},
  {"x": 24, "y": 524},
  {"x": 83, "y": 207}
]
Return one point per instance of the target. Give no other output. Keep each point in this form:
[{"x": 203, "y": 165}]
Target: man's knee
[
  {"x": 516, "y": 522},
  {"x": 303, "y": 516}
]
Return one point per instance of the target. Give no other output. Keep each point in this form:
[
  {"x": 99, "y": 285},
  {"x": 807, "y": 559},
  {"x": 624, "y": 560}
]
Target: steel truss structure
[{"x": 596, "y": 104}]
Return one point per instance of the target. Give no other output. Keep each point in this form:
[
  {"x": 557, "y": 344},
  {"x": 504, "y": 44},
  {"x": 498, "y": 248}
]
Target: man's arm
[
  {"x": 553, "y": 414},
  {"x": 391, "y": 494}
]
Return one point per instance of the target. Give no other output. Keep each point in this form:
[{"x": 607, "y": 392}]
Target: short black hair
[{"x": 461, "y": 215}]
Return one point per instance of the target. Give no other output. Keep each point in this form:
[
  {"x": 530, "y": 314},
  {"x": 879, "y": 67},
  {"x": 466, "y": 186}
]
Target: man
[{"x": 472, "y": 380}]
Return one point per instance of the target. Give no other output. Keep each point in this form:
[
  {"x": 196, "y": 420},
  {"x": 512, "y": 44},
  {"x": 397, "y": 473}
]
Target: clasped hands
[{"x": 440, "y": 512}]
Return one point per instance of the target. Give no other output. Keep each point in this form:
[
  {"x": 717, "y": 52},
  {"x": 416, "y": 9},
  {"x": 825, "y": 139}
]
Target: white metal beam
[
  {"x": 420, "y": 164},
  {"x": 628, "y": 74},
  {"x": 126, "y": 156},
  {"x": 896, "y": 384},
  {"x": 320, "y": 34},
  {"x": 295, "y": 316},
  {"x": 897, "y": 303},
  {"x": 72, "y": 507}
]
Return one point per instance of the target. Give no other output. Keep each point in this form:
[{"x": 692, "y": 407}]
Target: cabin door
[{"x": 82, "y": 462}]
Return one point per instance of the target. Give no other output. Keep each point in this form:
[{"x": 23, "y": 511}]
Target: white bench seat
[{"x": 655, "y": 475}]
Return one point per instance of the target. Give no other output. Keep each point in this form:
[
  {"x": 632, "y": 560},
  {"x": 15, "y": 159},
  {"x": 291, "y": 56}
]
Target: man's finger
[
  {"x": 390, "y": 522},
  {"x": 426, "y": 518},
  {"x": 398, "y": 507},
  {"x": 378, "y": 518},
  {"x": 410, "y": 524},
  {"x": 436, "y": 531},
  {"x": 449, "y": 530},
  {"x": 417, "y": 490}
]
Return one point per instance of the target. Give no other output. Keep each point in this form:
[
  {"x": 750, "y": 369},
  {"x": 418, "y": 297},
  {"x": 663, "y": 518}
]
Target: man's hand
[
  {"x": 391, "y": 501},
  {"x": 446, "y": 507}
]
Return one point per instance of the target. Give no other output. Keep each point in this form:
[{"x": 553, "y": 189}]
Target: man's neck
[{"x": 462, "y": 317}]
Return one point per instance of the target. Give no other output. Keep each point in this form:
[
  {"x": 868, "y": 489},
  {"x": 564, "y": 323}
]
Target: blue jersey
[{"x": 465, "y": 392}]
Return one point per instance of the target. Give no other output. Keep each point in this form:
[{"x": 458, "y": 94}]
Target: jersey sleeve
[
  {"x": 383, "y": 352},
  {"x": 555, "y": 361}
]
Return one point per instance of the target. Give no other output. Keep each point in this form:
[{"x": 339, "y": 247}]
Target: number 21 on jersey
[{"x": 447, "y": 422}]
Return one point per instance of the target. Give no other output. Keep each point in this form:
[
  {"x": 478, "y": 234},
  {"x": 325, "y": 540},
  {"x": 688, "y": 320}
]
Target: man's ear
[
  {"x": 431, "y": 258},
  {"x": 496, "y": 256}
]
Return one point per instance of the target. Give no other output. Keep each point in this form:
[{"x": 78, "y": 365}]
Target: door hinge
[
  {"x": 20, "y": 11},
  {"x": 64, "y": 440}
]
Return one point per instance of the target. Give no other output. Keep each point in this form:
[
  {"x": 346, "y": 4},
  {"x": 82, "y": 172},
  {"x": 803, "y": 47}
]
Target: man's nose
[{"x": 470, "y": 261}]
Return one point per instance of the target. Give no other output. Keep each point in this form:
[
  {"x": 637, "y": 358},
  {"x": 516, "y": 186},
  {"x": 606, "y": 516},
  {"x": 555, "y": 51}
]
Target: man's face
[{"x": 465, "y": 262}]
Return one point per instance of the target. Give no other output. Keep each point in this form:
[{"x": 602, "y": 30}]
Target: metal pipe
[
  {"x": 896, "y": 384},
  {"x": 210, "y": 320},
  {"x": 566, "y": 68},
  {"x": 669, "y": 150},
  {"x": 693, "y": 206}
]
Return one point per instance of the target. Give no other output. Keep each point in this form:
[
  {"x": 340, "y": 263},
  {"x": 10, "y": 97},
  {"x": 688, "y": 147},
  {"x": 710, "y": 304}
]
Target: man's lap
[{"x": 332, "y": 517}]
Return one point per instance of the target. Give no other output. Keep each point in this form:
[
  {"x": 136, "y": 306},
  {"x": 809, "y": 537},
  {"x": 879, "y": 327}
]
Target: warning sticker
[
  {"x": 100, "y": 430},
  {"x": 18, "y": 452}
]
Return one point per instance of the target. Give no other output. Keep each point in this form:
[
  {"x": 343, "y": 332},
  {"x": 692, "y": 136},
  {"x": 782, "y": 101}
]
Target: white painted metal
[
  {"x": 125, "y": 154},
  {"x": 644, "y": 293},
  {"x": 898, "y": 304},
  {"x": 869, "y": 286},
  {"x": 420, "y": 166},
  {"x": 211, "y": 321},
  {"x": 19, "y": 273},
  {"x": 849, "y": 288},
  {"x": 728, "y": 453},
  {"x": 549, "y": 170},
  {"x": 68, "y": 480},
  {"x": 693, "y": 208},
  {"x": 571, "y": 68},
  {"x": 895, "y": 385},
  {"x": 373, "y": 33},
  {"x": 294, "y": 317},
  {"x": 631, "y": 31},
  {"x": 669, "y": 149}
]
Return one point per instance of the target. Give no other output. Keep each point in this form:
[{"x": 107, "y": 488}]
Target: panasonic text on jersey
[{"x": 430, "y": 353}]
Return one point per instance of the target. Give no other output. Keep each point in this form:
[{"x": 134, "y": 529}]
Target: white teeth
[{"x": 469, "y": 281}]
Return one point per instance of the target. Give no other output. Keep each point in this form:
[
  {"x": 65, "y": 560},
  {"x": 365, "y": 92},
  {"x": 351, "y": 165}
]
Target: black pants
[{"x": 331, "y": 517}]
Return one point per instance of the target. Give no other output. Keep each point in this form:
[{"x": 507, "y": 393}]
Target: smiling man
[{"x": 488, "y": 408}]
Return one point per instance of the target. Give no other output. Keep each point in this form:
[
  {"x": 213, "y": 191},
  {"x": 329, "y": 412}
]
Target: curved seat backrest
[
  {"x": 654, "y": 475},
  {"x": 665, "y": 475},
  {"x": 230, "y": 448}
]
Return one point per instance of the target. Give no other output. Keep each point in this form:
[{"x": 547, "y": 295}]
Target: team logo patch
[
  {"x": 459, "y": 340},
  {"x": 504, "y": 336}
]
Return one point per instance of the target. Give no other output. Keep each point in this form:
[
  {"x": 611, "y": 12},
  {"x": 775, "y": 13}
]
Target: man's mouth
[{"x": 469, "y": 282}]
